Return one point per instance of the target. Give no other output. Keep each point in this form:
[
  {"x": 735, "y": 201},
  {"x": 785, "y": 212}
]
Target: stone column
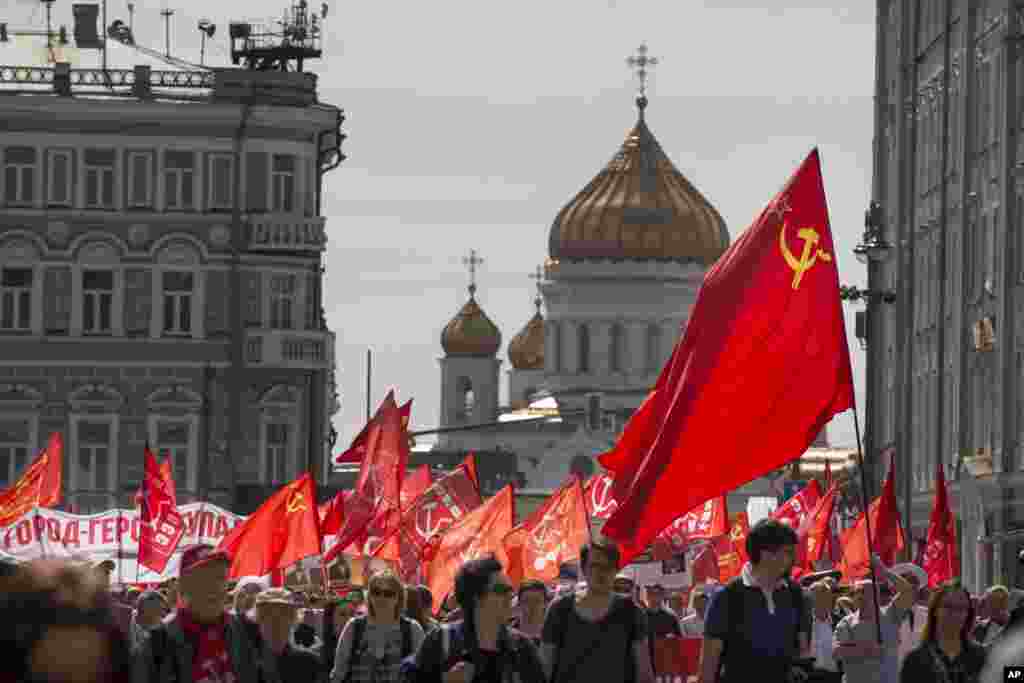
[
  {"x": 551, "y": 341},
  {"x": 635, "y": 360},
  {"x": 569, "y": 339},
  {"x": 600, "y": 347}
]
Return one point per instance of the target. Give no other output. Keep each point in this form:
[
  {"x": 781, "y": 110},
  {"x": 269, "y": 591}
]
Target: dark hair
[
  {"x": 426, "y": 598},
  {"x": 607, "y": 547},
  {"x": 531, "y": 585},
  {"x": 935, "y": 603},
  {"x": 471, "y": 581},
  {"x": 768, "y": 535}
]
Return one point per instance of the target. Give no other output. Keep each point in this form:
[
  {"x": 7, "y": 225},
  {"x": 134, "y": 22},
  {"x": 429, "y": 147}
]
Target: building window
[
  {"x": 93, "y": 462},
  {"x": 465, "y": 400},
  {"x": 140, "y": 184},
  {"x": 178, "y": 295},
  {"x": 615, "y": 348},
  {"x": 275, "y": 453},
  {"x": 179, "y": 180},
  {"x": 97, "y": 301},
  {"x": 173, "y": 439},
  {"x": 19, "y": 175},
  {"x": 221, "y": 181},
  {"x": 283, "y": 183},
  {"x": 653, "y": 348},
  {"x": 99, "y": 179},
  {"x": 584, "y": 348},
  {"x": 59, "y": 181},
  {"x": 15, "y": 448},
  {"x": 16, "y": 299},
  {"x": 282, "y": 302}
]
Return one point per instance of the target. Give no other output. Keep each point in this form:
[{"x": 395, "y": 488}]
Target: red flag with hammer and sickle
[
  {"x": 762, "y": 367},
  {"x": 940, "y": 550},
  {"x": 161, "y": 527},
  {"x": 707, "y": 521},
  {"x": 38, "y": 486},
  {"x": 284, "y": 530},
  {"x": 794, "y": 511},
  {"x": 552, "y": 536},
  {"x": 598, "y": 494}
]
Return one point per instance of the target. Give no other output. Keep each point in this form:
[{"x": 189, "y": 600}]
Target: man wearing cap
[
  {"x": 280, "y": 660},
  {"x": 200, "y": 642}
]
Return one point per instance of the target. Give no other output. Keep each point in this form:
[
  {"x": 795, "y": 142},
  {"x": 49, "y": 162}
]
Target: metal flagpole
[{"x": 867, "y": 523}]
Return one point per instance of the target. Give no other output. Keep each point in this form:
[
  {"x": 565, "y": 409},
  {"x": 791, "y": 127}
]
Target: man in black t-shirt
[{"x": 758, "y": 625}]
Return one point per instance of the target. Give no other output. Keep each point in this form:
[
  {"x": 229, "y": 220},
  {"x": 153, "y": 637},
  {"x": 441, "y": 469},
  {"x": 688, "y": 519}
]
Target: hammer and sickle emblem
[
  {"x": 296, "y": 502},
  {"x": 808, "y": 257},
  {"x": 600, "y": 497}
]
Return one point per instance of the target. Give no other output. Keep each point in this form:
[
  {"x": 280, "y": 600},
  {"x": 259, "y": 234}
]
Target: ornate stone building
[
  {"x": 945, "y": 363},
  {"x": 160, "y": 272}
]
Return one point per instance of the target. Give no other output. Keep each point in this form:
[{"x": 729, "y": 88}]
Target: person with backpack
[
  {"x": 482, "y": 648},
  {"x": 372, "y": 647},
  {"x": 758, "y": 626},
  {"x": 597, "y": 634}
]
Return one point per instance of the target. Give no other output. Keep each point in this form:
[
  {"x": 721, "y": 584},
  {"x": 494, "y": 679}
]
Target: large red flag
[
  {"x": 38, "y": 486},
  {"x": 794, "y": 511},
  {"x": 815, "y": 532},
  {"x": 598, "y": 494},
  {"x": 553, "y": 535},
  {"x": 477, "y": 534},
  {"x": 357, "y": 449},
  {"x": 705, "y": 522},
  {"x": 284, "y": 530},
  {"x": 376, "y": 501},
  {"x": 940, "y": 555},
  {"x": 161, "y": 527},
  {"x": 387, "y": 519},
  {"x": 415, "y": 485},
  {"x": 887, "y": 532},
  {"x": 762, "y": 367}
]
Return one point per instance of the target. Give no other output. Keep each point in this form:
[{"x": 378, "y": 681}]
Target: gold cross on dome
[
  {"x": 640, "y": 61},
  {"x": 472, "y": 261}
]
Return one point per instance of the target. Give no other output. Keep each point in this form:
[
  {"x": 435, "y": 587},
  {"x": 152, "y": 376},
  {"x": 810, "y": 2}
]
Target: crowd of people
[{"x": 61, "y": 622}]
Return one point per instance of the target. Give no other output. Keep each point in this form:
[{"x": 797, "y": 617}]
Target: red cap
[{"x": 198, "y": 555}]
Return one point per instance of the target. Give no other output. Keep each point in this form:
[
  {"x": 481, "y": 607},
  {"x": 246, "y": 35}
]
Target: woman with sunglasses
[
  {"x": 946, "y": 653},
  {"x": 372, "y": 647},
  {"x": 481, "y": 648}
]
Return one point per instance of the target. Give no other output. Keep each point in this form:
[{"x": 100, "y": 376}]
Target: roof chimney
[{"x": 86, "y": 22}]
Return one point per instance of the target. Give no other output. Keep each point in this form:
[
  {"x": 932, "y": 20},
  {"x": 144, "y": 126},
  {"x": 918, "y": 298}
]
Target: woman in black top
[{"x": 946, "y": 653}]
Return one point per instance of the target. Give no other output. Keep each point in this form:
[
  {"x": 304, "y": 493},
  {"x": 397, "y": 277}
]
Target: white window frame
[
  {"x": 212, "y": 180},
  {"x": 190, "y": 484},
  {"x": 182, "y": 173},
  {"x": 289, "y": 447},
  {"x": 114, "y": 282},
  {"x": 75, "y": 421},
  {"x": 297, "y": 300},
  {"x": 148, "y": 201},
  {"x": 31, "y": 445},
  {"x": 102, "y": 172},
  {"x": 193, "y": 297},
  {"x": 69, "y": 197},
  {"x": 277, "y": 203},
  {"x": 33, "y": 298},
  {"x": 20, "y": 201}
]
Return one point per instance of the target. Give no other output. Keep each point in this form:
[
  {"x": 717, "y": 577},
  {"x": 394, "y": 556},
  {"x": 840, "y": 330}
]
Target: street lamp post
[{"x": 872, "y": 250}]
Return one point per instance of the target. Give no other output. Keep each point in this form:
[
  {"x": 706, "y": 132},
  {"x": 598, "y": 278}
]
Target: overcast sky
[{"x": 471, "y": 123}]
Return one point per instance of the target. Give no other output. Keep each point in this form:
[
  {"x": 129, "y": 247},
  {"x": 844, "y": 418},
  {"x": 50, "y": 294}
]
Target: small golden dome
[
  {"x": 639, "y": 207},
  {"x": 471, "y": 332},
  {"x": 526, "y": 350}
]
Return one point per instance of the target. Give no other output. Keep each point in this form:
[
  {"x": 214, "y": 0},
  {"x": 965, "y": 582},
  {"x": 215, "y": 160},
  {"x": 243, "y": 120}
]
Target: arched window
[
  {"x": 615, "y": 348},
  {"x": 583, "y": 339},
  {"x": 465, "y": 401},
  {"x": 94, "y": 421},
  {"x": 173, "y": 432},
  {"x": 653, "y": 348},
  {"x": 20, "y": 286}
]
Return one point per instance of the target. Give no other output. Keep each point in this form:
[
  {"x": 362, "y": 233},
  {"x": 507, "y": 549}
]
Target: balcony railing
[
  {"x": 138, "y": 82},
  {"x": 290, "y": 349},
  {"x": 279, "y": 232}
]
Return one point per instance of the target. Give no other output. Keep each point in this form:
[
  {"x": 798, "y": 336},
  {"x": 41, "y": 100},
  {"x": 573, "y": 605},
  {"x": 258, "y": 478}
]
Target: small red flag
[
  {"x": 161, "y": 526},
  {"x": 887, "y": 532},
  {"x": 794, "y": 511},
  {"x": 815, "y": 533},
  {"x": 940, "y": 555},
  {"x": 732, "y": 549},
  {"x": 284, "y": 530},
  {"x": 38, "y": 486},
  {"x": 357, "y": 449},
  {"x": 166, "y": 473},
  {"x": 552, "y": 535},
  {"x": 761, "y": 369},
  {"x": 705, "y": 565},
  {"x": 705, "y": 522},
  {"x": 477, "y": 534}
]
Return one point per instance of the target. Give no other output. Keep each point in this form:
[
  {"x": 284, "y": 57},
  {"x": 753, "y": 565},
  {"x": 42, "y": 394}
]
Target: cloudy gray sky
[{"x": 471, "y": 123}]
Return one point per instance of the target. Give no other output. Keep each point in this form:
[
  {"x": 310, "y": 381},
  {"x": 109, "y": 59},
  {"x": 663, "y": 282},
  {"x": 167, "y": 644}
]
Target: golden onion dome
[
  {"x": 639, "y": 207},
  {"x": 526, "y": 350},
  {"x": 471, "y": 332}
]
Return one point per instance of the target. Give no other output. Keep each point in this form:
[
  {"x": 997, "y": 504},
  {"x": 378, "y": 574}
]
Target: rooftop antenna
[
  {"x": 167, "y": 14},
  {"x": 262, "y": 48},
  {"x": 131, "y": 17},
  {"x": 49, "y": 23}
]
